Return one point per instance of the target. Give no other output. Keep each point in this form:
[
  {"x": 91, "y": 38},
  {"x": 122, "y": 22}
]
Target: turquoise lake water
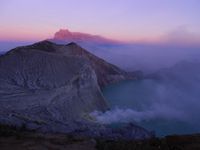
[{"x": 154, "y": 105}]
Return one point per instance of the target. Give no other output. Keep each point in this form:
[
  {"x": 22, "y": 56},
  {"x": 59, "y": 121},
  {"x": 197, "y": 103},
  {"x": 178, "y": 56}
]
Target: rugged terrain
[
  {"x": 106, "y": 73},
  {"x": 20, "y": 139},
  {"x": 53, "y": 88}
]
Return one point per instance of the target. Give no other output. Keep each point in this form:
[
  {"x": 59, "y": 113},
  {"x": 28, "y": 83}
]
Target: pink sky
[{"x": 126, "y": 20}]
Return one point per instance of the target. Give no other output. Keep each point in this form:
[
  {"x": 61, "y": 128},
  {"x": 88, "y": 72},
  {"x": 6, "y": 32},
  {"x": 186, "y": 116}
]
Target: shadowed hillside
[{"x": 53, "y": 88}]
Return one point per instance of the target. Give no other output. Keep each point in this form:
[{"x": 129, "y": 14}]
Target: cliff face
[
  {"x": 39, "y": 84},
  {"x": 46, "y": 81},
  {"x": 106, "y": 73}
]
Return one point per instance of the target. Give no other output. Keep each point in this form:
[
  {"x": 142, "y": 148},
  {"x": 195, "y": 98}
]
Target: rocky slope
[
  {"x": 50, "y": 87},
  {"x": 39, "y": 85},
  {"x": 106, "y": 73}
]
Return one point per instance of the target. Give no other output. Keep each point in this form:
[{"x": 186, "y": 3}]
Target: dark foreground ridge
[
  {"x": 53, "y": 88},
  {"x": 21, "y": 139}
]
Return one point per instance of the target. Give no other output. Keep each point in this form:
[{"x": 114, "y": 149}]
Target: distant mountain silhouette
[{"x": 64, "y": 35}]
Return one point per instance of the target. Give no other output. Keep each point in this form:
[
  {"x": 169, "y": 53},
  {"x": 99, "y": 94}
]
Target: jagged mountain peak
[
  {"x": 65, "y": 35},
  {"x": 62, "y": 34}
]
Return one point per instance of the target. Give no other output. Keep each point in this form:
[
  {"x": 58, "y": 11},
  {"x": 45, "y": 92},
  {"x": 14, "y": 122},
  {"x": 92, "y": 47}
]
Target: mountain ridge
[
  {"x": 53, "y": 88},
  {"x": 106, "y": 72}
]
